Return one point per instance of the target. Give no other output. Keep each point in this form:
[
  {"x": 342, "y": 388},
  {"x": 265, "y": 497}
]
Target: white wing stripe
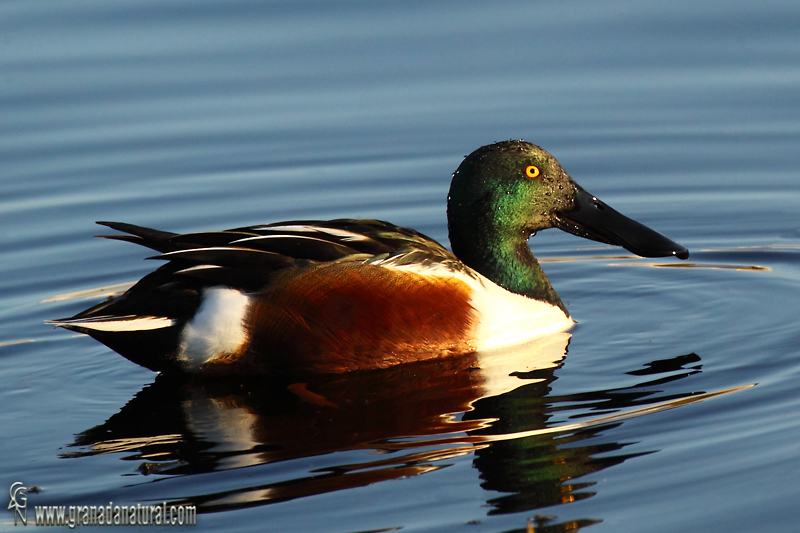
[
  {"x": 121, "y": 323},
  {"x": 344, "y": 234},
  {"x": 279, "y": 236}
]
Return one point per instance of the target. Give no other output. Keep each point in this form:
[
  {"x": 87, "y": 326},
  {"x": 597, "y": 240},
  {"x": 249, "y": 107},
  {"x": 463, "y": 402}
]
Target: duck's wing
[{"x": 247, "y": 258}]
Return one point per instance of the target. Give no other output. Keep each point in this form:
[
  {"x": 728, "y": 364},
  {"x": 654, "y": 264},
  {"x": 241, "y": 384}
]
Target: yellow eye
[{"x": 532, "y": 171}]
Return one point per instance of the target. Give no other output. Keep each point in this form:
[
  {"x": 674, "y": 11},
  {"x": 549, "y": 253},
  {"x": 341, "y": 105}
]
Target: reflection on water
[{"x": 529, "y": 446}]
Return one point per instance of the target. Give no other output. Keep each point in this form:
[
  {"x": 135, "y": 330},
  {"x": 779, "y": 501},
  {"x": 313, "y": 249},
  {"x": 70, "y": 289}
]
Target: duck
[{"x": 327, "y": 297}]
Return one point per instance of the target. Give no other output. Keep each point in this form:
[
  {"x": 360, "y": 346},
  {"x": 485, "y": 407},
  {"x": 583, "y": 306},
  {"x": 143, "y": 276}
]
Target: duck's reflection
[
  {"x": 537, "y": 471},
  {"x": 413, "y": 417}
]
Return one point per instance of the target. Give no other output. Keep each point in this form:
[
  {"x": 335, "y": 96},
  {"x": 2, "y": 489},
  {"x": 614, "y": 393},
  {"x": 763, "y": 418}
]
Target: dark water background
[{"x": 191, "y": 116}]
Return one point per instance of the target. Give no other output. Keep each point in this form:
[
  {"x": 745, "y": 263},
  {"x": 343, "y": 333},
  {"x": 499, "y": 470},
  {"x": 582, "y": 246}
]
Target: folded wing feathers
[
  {"x": 151, "y": 238},
  {"x": 298, "y": 246},
  {"x": 229, "y": 256},
  {"x": 248, "y": 256},
  {"x": 208, "y": 239},
  {"x": 246, "y": 279}
]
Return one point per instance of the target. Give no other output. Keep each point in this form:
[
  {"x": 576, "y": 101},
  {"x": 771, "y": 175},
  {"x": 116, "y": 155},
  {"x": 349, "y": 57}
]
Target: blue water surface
[{"x": 193, "y": 116}]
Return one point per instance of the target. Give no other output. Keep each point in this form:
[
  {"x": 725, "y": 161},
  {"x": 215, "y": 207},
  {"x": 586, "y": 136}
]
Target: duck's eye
[{"x": 532, "y": 171}]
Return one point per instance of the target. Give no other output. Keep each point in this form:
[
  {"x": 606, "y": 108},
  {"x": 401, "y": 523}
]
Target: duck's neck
[{"x": 505, "y": 259}]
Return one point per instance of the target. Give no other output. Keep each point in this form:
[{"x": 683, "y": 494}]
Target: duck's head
[{"x": 503, "y": 193}]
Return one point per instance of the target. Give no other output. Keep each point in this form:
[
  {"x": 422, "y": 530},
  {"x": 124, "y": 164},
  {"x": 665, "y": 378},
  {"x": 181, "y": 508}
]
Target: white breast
[{"x": 505, "y": 318}]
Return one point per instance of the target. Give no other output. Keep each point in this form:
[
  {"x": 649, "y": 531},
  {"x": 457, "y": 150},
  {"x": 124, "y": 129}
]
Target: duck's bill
[{"x": 592, "y": 219}]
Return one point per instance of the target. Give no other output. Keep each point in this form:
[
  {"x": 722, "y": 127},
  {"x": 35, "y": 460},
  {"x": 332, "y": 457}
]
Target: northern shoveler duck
[{"x": 311, "y": 296}]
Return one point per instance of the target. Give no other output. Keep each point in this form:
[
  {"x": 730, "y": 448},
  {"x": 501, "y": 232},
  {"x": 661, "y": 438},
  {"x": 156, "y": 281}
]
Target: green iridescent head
[
  {"x": 503, "y": 193},
  {"x": 512, "y": 187}
]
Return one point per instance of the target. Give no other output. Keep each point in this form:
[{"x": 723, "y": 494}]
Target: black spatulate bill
[{"x": 591, "y": 218}]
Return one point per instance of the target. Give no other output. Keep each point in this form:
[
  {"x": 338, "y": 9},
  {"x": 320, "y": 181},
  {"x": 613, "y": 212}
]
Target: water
[{"x": 199, "y": 116}]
